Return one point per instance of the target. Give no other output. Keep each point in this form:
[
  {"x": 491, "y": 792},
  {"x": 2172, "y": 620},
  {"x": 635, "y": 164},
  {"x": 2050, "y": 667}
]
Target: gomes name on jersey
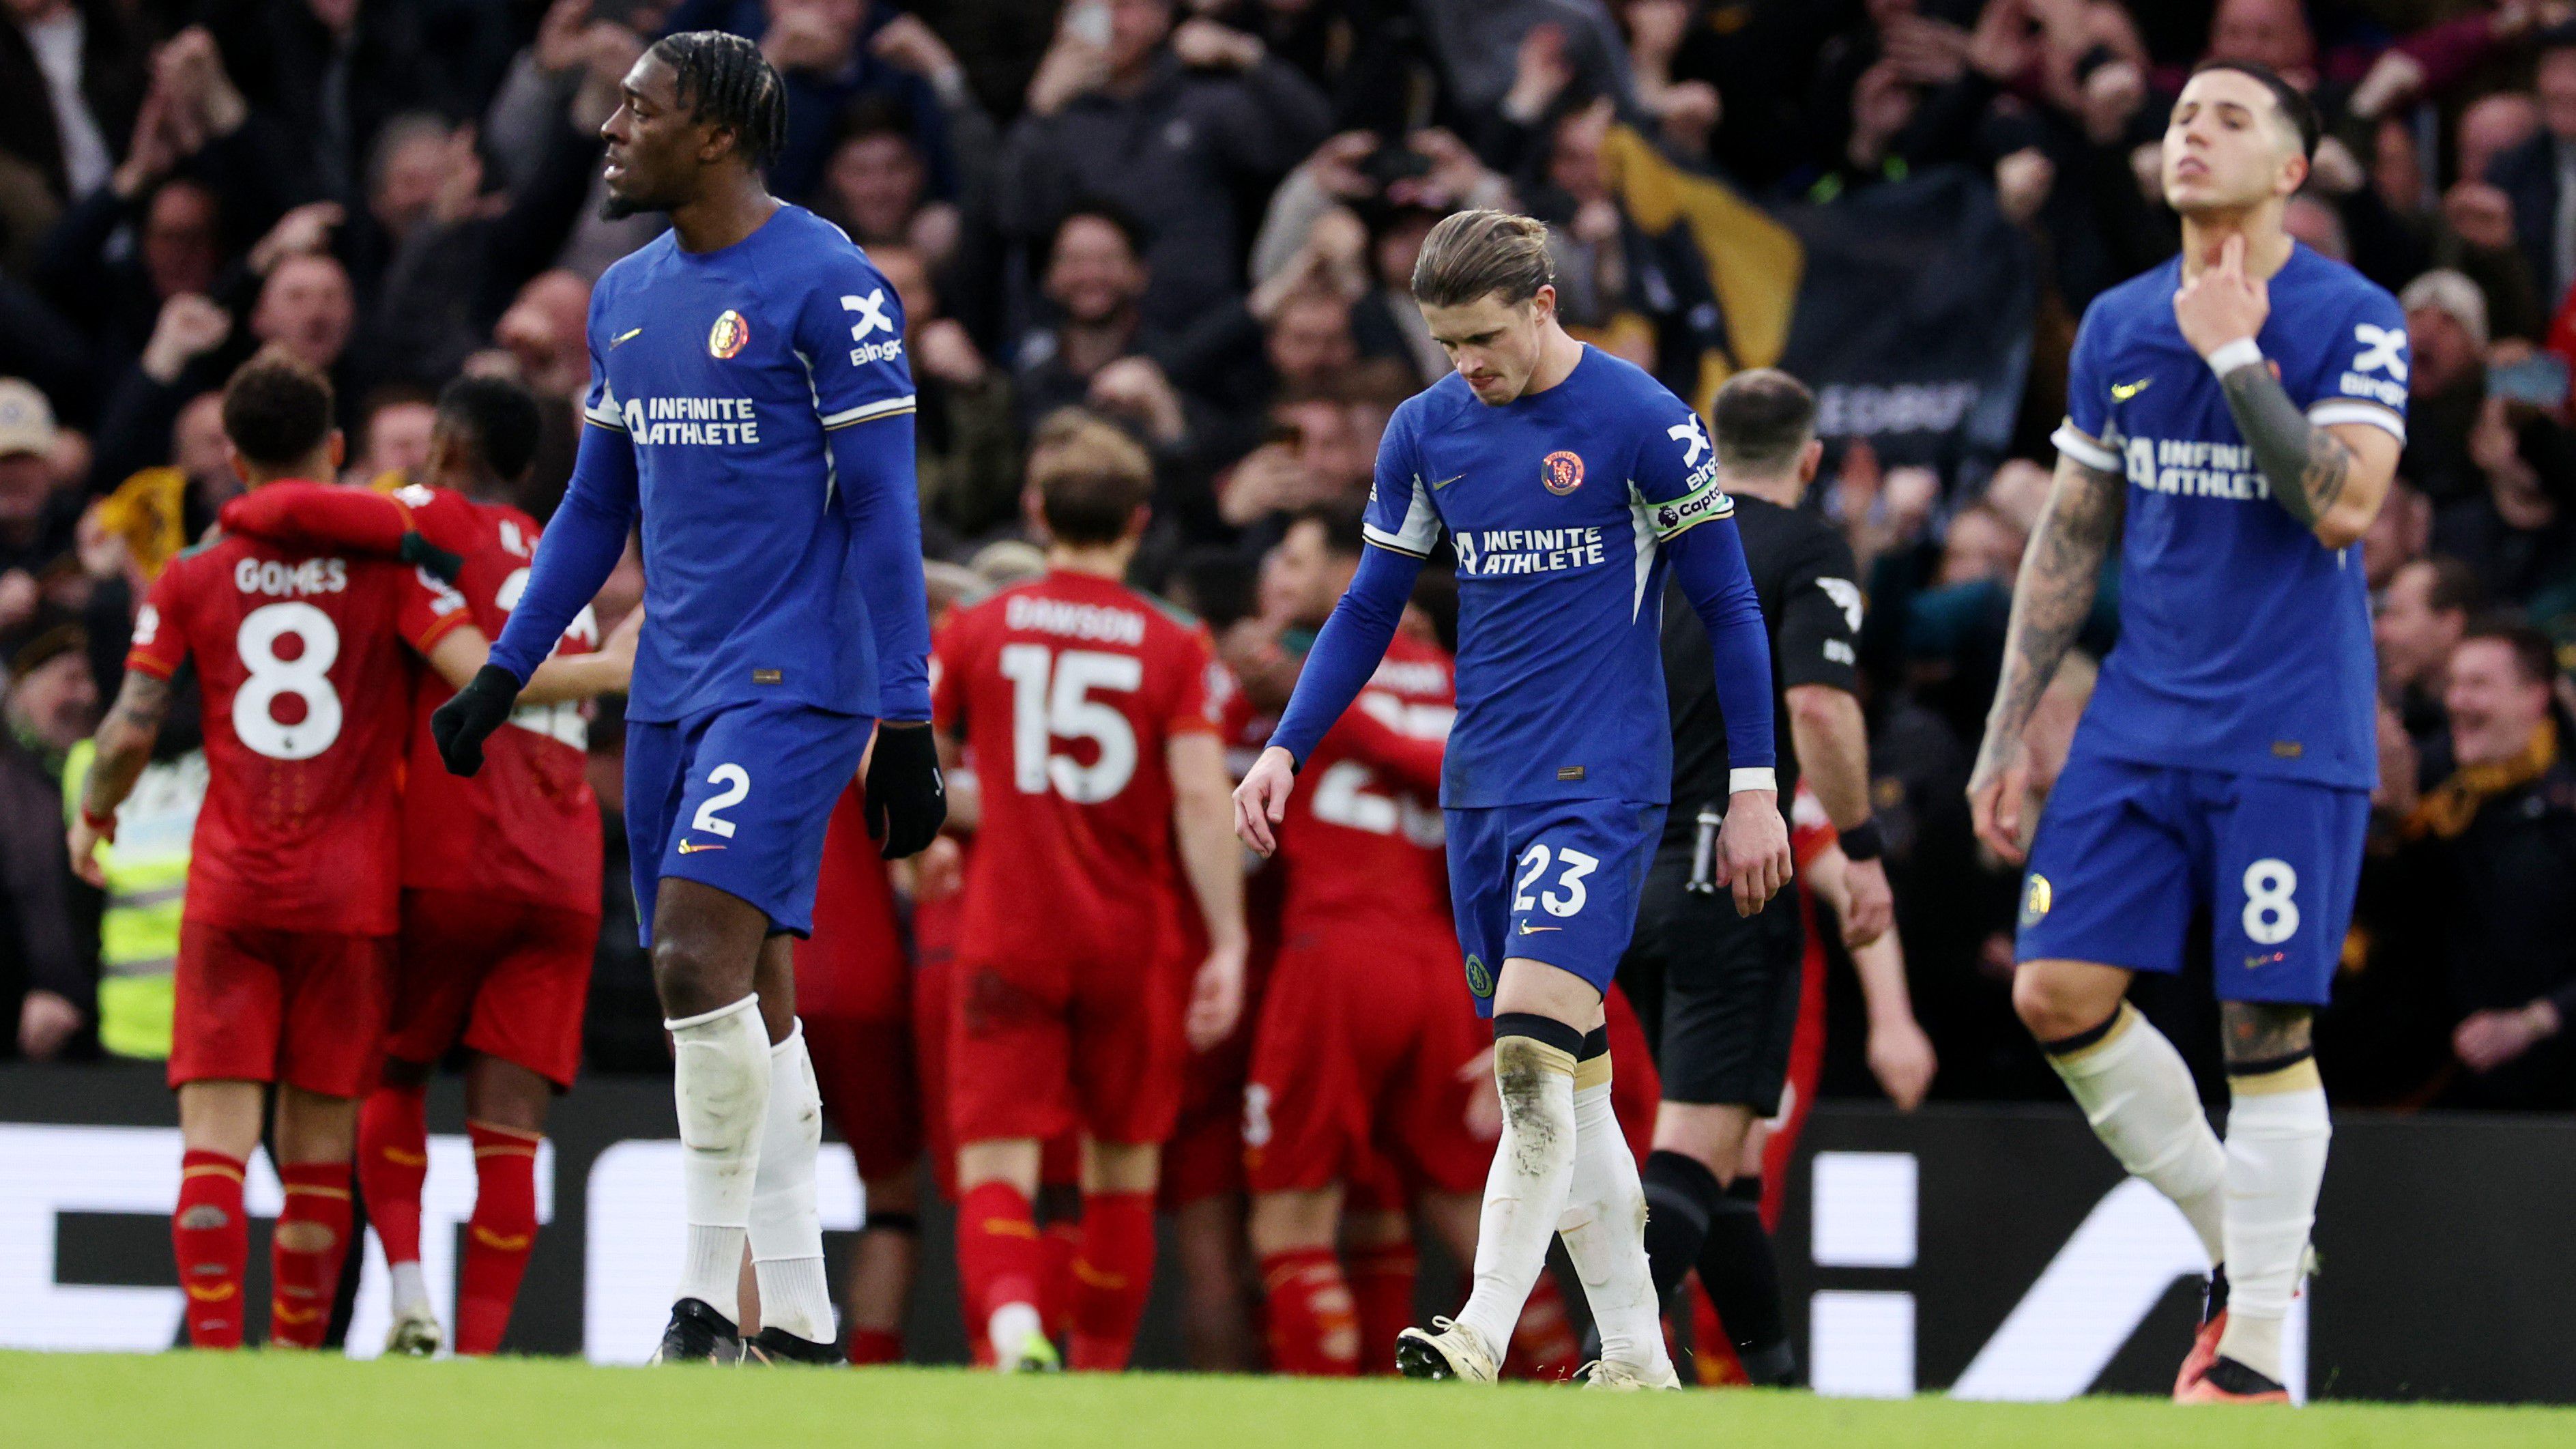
[{"x": 704, "y": 421}]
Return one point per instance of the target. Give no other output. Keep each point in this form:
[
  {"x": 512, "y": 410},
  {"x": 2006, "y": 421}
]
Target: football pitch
[{"x": 268, "y": 1400}]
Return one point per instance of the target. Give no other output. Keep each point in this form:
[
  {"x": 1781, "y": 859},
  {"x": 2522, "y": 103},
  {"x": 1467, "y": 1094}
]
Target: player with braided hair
[{"x": 750, "y": 403}]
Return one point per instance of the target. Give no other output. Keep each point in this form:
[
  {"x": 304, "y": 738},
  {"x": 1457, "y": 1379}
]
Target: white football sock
[
  {"x": 2139, "y": 1097},
  {"x": 720, "y": 1079},
  {"x": 1604, "y": 1228},
  {"x": 2277, "y": 1131},
  {"x": 1526, "y": 1189},
  {"x": 410, "y": 1289},
  {"x": 786, "y": 1225}
]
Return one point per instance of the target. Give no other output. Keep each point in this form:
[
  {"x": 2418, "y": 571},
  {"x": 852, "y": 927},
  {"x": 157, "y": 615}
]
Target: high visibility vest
[{"x": 147, "y": 882}]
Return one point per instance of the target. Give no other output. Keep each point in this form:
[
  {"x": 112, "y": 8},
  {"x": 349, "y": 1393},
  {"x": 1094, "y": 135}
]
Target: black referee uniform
[{"x": 1718, "y": 992}]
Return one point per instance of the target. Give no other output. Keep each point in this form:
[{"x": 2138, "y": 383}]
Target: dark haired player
[
  {"x": 285, "y": 951},
  {"x": 750, "y": 405},
  {"x": 2235, "y": 417},
  {"x": 1571, "y": 483},
  {"x": 500, "y": 873}
]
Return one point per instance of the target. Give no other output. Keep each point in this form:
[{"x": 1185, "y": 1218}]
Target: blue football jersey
[
  {"x": 724, "y": 370},
  {"x": 1558, "y": 504},
  {"x": 2244, "y": 643}
]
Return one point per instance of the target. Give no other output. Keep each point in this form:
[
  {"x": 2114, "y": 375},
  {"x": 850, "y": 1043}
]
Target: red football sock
[
  {"x": 1111, "y": 1276},
  {"x": 997, "y": 1252},
  {"x": 211, "y": 1242},
  {"x": 1382, "y": 1286},
  {"x": 500, "y": 1235},
  {"x": 1058, "y": 1245},
  {"x": 874, "y": 1346},
  {"x": 1543, "y": 1342},
  {"x": 304, "y": 1253},
  {"x": 393, "y": 1159},
  {"x": 1313, "y": 1328}
]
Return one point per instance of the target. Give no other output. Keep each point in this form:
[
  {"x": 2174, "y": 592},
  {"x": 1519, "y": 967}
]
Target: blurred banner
[
  {"x": 1989, "y": 1252},
  {"x": 1906, "y": 305}
]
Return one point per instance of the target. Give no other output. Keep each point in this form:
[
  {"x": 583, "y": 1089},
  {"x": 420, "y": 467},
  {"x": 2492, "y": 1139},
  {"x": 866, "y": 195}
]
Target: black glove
[
  {"x": 417, "y": 549},
  {"x": 906, "y": 798},
  {"x": 461, "y": 725}
]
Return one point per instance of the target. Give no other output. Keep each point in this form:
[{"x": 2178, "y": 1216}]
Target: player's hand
[
  {"x": 1996, "y": 793},
  {"x": 2489, "y": 1039},
  {"x": 2223, "y": 303},
  {"x": 1869, "y": 907},
  {"x": 1484, "y": 1100},
  {"x": 461, "y": 725},
  {"x": 1753, "y": 849},
  {"x": 907, "y": 798},
  {"x": 46, "y": 1020},
  {"x": 1261, "y": 801},
  {"x": 85, "y": 841},
  {"x": 1216, "y": 998},
  {"x": 1900, "y": 1056}
]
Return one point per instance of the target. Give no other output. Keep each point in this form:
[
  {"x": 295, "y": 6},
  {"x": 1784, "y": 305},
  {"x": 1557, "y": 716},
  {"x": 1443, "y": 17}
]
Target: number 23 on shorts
[{"x": 1567, "y": 895}]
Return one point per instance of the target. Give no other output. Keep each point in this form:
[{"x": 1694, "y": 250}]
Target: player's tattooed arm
[
  {"x": 124, "y": 744},
  {"x": 125, "y": 740},
  {"x": 2306, "y": 466},
  {"x": 2051, "y": 600},
  {"x": 2332, "y": 478}
]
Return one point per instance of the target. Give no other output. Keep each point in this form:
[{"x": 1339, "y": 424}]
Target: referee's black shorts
[{"x": 1717, "y": 992}]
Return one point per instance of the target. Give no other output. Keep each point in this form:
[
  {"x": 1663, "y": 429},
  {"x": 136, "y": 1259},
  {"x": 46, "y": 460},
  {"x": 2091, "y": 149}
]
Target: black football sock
[
  {"x": 1743, "y": 1281},
  {"x": 1680, "y": 1197}
]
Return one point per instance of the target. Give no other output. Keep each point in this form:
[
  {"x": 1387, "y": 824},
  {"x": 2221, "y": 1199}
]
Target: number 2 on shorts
[{"x": 737, "y": 783}]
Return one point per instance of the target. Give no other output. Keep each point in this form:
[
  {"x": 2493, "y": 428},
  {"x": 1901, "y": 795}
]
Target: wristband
[
  {"x": 1752, "y": 777},
  {"x": 2243, "y": 352},
  {"x": 1863, "y": 841},
  {"x": 100, "y": 823}
]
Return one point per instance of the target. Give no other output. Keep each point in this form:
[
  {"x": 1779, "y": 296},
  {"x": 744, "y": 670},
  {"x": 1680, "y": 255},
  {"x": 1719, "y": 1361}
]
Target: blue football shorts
[
  {"x": 738, "y": 797},
  {"x": 1555, "y": 882},
  {"x": 2127, "y": 853}
]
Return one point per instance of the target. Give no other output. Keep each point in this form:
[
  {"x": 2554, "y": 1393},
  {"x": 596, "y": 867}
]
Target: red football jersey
[
  {"x": 308, "y": 703},
  {"x": 1066, "y": 690},
  {"x": 527, "y": 827},
  {"x": 1363, "y": 832}
]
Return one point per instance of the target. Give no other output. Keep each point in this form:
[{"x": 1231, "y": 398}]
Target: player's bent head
[
  {"x": 277, "y": 416},
  {"x": 487, "y": 429},
  {"x": 1090, "y": 483},
  {"x": 1764, "y": 422},
  {"x": 695, "y": 102},
  {"x": 1487, "y": 287},
  {"x": 2238, "y": 136}
]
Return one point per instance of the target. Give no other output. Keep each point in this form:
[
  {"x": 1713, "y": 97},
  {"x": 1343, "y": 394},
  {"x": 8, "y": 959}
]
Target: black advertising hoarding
[{"x": 1995, "y": 1252}]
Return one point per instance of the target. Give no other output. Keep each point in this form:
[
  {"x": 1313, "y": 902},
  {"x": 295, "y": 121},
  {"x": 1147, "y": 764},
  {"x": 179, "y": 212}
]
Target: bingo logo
[
  {"x": 1561, "y": 471},
  {"x": 728, "y": 336}
]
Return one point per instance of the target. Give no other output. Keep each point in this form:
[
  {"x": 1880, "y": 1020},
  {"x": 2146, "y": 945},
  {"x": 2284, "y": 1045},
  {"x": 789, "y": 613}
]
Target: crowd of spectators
[{"x": 1196, "y": 219}]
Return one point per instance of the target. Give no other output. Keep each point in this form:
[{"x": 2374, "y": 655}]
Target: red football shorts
[
  {"x": 505, "y": 978},
  {"x": 854, "y": 994},
  {"x": 1364, "y": 1034},
  {"x": 305, "y": 1008},
  {"x": 1039, "y": 1047}
]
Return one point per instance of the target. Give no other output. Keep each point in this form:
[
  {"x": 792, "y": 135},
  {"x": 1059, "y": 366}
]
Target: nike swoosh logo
[
  {"x": 691, "y": 847},
  {"x": 631, "y": 331},
  {"x": 2123, "y": 391},
  {"x": 1529, "y": 930},
  {"x": 1440, "y": 483}
]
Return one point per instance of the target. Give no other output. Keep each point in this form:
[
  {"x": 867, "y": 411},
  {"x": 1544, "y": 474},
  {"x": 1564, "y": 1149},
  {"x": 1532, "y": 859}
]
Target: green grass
[{"x": 277, "y": 1401}]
